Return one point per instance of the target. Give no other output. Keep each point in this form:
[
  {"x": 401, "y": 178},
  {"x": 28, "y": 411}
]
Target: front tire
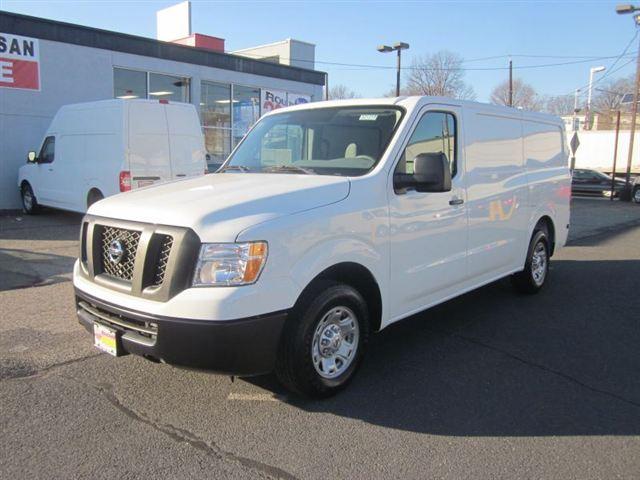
[
  {"x": 536, "y": 269},
  {"x": 324, "y": 341},
  {"x": 636, "y": 195},
  {"x": 29, "y": 202}
]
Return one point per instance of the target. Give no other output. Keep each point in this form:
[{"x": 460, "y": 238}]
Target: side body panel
[
  {"x": 497, "y": 192},
  {"x": 546, "y": 161}
]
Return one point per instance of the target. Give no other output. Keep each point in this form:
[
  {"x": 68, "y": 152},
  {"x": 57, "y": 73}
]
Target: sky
[{"x": 576, "y": 34}]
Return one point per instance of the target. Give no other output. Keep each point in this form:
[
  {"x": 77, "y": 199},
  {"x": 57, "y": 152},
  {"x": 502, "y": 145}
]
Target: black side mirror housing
[
  {"x": 31, "y": 157},
  {"x": 431, "y": 173}
]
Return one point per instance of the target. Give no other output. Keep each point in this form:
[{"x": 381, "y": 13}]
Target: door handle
[
  {"x": 181, "y": 174},
  {"x": 51, "y": 169},
  {"x": 456, "y": 201}
]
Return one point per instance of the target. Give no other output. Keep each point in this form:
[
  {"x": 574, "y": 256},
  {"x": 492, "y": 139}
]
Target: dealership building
[{"x": 45, "y": 64}]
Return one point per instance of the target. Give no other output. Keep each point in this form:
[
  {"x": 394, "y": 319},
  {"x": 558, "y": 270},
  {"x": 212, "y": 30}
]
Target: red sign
[{"x": 19, "y": 62}]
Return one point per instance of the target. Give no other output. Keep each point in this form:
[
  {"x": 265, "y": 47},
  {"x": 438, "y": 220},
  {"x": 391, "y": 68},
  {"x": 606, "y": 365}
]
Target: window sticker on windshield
[{"x": 368, "y": 117}]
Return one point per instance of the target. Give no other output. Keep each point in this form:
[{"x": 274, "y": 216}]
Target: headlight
[{"x": 229, "y": 264}]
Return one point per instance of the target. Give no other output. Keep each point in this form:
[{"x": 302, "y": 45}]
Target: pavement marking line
[{"x": 254, "y": 397}]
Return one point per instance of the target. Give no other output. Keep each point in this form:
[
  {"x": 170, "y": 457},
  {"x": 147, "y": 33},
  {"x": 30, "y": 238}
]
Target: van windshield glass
[{"x": 347, "y": 141}]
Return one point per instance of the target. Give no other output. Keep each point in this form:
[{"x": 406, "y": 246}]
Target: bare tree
[
  {"x": 608, "y": 97},
  {"x": 524, "y": 95},
  {"x": 440, "y": 74},
  {"x": 559, "y": 104},
  {"x": 340, "y": 91}
]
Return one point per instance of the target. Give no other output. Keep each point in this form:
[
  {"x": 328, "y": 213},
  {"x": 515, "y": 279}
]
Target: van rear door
[
  {"x": 149, "y": 156},
  {"x": 186, "y": 142}
]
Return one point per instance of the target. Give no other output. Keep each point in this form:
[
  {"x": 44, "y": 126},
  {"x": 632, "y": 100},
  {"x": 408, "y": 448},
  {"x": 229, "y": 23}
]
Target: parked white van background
[{"x": 97, "y": 149}]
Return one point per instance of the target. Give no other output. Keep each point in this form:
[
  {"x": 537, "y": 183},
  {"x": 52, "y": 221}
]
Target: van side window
[
  {"x": 435, "y": 132},
  {"x": 47, "y": 151}
]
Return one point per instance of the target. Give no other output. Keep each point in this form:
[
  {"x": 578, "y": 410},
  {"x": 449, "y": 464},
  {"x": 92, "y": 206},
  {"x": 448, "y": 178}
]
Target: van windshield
[{"x": 347, "y": 141}]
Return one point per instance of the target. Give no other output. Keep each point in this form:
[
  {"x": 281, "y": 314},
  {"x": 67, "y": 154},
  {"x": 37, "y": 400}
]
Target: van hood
[{"x": 219, "y": 206}]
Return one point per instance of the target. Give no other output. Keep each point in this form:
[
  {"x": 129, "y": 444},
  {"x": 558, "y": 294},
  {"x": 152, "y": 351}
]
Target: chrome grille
[
  {"x": 163, "y": 259},
  {"x": 121, "y": 268}
]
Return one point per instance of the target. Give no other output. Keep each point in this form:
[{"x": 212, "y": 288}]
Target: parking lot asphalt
[{"x": 489, "y": 385}]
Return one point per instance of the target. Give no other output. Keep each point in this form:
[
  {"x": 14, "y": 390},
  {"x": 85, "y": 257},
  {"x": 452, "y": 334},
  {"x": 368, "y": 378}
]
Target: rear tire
[
  {"x": 536, "y": 269},
  {"x": 29, "y": 202},
  {"x": 324, "y": 341}
]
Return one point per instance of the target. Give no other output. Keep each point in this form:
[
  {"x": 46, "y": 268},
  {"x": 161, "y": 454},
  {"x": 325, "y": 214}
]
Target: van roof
[
  {"x": 412, "y": 102},
  {"x": 114, "y": 102}
]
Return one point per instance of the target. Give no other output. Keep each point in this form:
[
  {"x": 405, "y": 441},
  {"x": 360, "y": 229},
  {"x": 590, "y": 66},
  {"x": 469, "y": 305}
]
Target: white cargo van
[
  {"x": 328, "y": 222},
  {"x": 97, "y": 149}
]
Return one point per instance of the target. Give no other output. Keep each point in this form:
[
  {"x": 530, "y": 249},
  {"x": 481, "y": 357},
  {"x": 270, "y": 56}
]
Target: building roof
[{"x": 53, "y": 30}]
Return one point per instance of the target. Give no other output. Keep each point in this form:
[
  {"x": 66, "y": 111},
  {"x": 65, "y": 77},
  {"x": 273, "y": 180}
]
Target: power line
[{"x": 409, "y": 68}]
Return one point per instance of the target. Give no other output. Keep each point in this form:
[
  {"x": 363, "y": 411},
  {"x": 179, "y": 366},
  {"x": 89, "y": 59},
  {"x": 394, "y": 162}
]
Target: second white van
[{"x": 97, "y": 149}]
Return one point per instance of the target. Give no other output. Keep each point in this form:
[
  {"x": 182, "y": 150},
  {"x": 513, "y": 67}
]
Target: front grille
[
  {"x": 115, "y": 265},
  {"x": 163, "y": 259},
  {"x": 146, "y": 260}
]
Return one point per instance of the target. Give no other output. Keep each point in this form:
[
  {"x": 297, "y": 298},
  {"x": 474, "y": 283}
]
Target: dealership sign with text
[
  {"x": 275, "y": 99},
  {"x": 19, "y": 62}
]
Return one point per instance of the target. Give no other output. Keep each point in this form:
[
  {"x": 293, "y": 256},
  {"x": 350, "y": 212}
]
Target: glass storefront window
[
  {"x": 129, "y": 84},
  {"x": 246, "y": 110},
  {"x": 215, "y": 114},
  {"x": 168, "y": 87}
]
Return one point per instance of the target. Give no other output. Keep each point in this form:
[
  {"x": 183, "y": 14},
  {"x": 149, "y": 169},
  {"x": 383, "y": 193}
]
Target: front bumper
[{"x": 241, "y": 347}]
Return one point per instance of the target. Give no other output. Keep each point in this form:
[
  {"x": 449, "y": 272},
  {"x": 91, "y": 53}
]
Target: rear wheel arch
[
  {"x": 547, "y": 224},
  {"x": 93, "y": 196}
]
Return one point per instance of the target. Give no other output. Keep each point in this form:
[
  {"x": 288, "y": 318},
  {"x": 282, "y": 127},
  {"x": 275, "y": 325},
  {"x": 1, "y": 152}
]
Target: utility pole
[
  {"x": 623, "y": 10},
  {"x": 634, "y": 113},
  {"x": 510, "y": 83},
  {"x": 615, "y": 156}
]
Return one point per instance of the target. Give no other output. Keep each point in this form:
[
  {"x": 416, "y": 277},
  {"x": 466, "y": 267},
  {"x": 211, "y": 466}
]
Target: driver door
[{"x": 428, "y": 244}]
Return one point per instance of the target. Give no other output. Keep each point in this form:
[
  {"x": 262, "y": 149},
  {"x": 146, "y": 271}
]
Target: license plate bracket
[{"x": 106, "y": 339}]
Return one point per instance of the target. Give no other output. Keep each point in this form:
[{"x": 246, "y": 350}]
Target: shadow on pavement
[
  {"x": 47, "y": 225},
  {"x": 23, "y": 268},
  {"x": 494, "y": 363}
]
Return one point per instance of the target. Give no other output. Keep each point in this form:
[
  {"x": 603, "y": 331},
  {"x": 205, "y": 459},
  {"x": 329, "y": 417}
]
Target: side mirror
[
  {"x": 31, "y": 157},
  {"x": 431, "y": 173}
]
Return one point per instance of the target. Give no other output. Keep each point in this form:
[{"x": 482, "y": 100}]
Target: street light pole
[
  {"x": 592, "y": 71},
  {"x": 397, "y": 47},
  {"x": 574, "y": 127}
]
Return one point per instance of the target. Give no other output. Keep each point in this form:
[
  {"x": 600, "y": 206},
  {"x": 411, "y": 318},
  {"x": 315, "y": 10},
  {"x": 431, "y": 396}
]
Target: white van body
[
  {"x": 402, "y": 250},
  {"x": 105, "y": 147}
]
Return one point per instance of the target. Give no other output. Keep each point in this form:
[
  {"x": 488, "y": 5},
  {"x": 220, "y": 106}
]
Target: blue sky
[{"x": 348, "y": 32}]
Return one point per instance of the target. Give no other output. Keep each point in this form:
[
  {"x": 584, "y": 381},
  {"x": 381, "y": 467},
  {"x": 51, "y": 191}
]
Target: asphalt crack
[
  {"x": 183, "y": 435},
  {"x": 538, "y": 366}
]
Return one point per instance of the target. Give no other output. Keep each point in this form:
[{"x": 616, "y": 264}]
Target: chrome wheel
[
  {"x": 27, "y": 199},
  {"x": 335, "y": 342},
  {"x": 539, "y": 263}
]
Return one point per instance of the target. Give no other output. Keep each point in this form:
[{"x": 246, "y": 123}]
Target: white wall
[{"x": 596, "y": 150}]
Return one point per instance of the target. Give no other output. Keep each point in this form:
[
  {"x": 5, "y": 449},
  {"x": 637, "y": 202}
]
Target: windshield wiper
[
  {"x": 287, "y": 169},
  {"x": 238, "y": 168}
]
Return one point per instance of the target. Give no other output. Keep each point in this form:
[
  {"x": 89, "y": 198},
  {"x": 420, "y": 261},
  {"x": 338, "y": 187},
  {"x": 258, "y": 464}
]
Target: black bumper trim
[{"x": 242, "y": 347}]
